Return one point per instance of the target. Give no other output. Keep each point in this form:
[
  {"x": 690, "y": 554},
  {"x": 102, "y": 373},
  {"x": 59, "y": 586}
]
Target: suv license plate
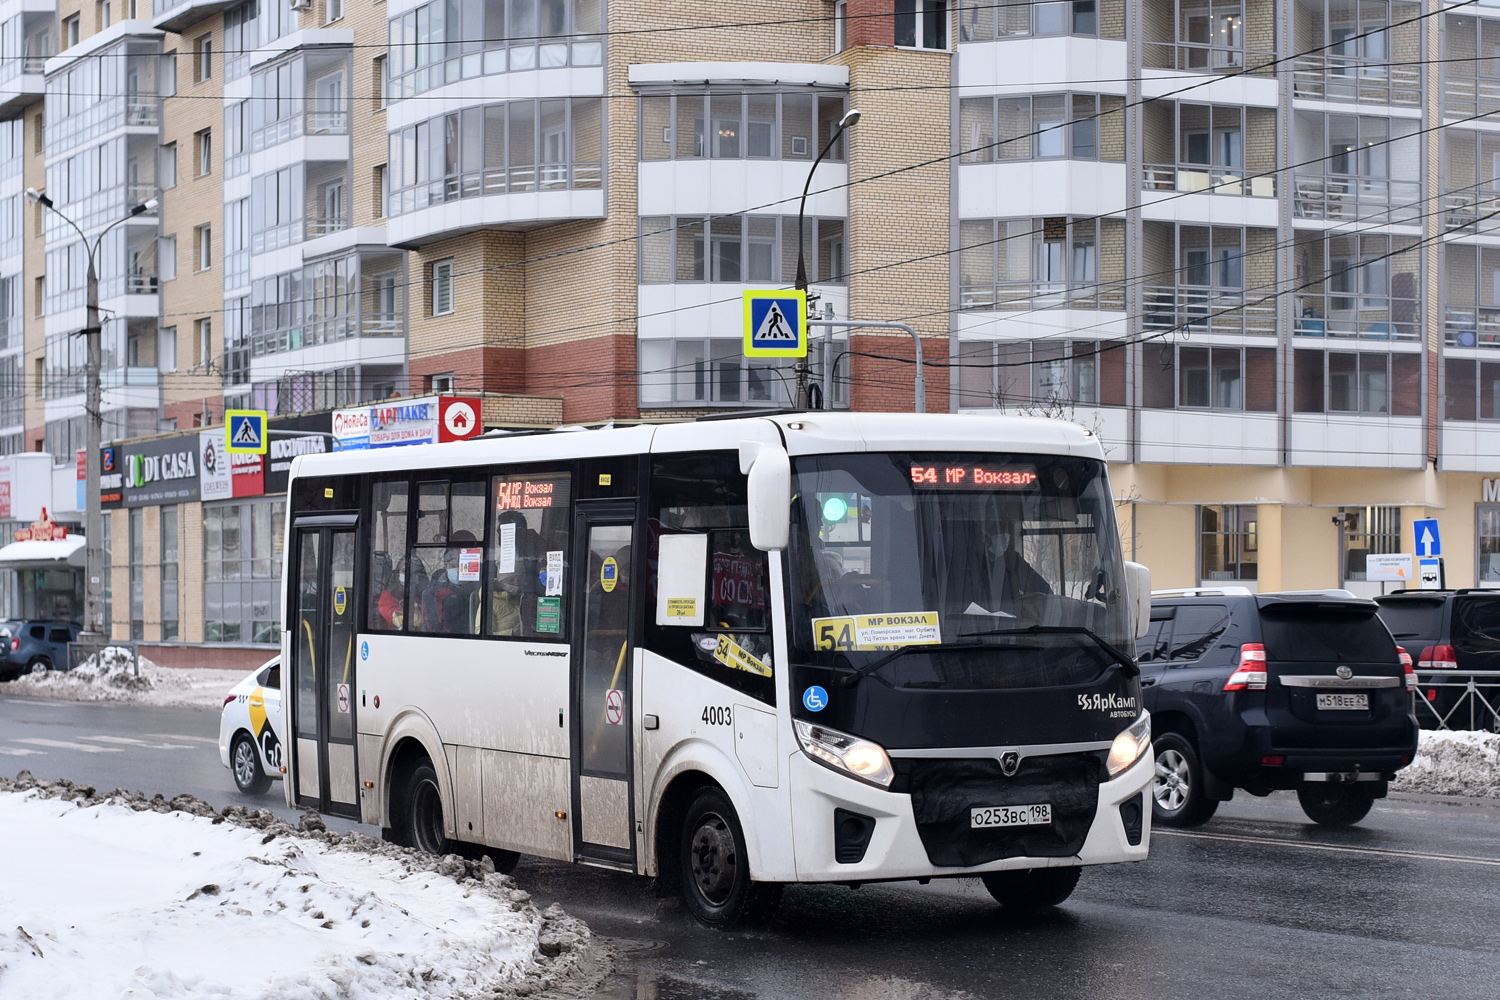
[
  {"x": 1344, "y": 702},
  {"x": 987, "y": 816}
]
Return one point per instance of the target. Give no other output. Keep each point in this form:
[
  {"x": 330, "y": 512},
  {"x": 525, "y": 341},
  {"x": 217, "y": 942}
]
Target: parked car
[
  {"x": 1291, "y": 691},
  {"x": 35, "y": 646},
  {"x": 249, "y": 741},
  {"x": 1450, "y": 630}
]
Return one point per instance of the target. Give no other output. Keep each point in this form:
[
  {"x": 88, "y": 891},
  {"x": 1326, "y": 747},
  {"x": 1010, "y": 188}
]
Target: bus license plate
[
  {"x": 987, "y": 816},
  {"x": 1344, "y": 702}
]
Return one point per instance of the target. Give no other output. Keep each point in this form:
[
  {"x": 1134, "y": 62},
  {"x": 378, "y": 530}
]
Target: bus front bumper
[{"x": 894, "y": 849}]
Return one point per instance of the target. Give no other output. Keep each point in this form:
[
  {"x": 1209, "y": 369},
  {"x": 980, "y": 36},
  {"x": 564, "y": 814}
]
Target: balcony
[
  {"x": 175, "y": 15},
  {"x": 1472, "y": 214},
  {"x": 1468, "y": 327},
  {"x": 1379, "y": 202},
  {"x": 1206, "y": 310},
  {"x": 1351, "y": 81},
  {"x": 1191, "y": 177},
  {"x": 1029, "y": 295},
  {"x": 1469, "y": 96}
]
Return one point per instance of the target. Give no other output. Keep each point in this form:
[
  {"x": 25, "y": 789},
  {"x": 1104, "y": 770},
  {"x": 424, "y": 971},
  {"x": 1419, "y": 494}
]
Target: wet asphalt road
[{"x": 1257, "y": 904}]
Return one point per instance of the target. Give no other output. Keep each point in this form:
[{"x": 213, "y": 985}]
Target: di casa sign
[{"x": 144, "y": 473}]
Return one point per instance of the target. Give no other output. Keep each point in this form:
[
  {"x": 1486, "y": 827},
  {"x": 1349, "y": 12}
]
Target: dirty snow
[
  {"x": 134, "y": 900},
  {"x": 1453, "y": 763},
  {"x": 110, "y": 676}
]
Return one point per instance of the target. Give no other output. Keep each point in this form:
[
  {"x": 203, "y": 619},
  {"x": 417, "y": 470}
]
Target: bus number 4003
[{"x": 717, "y": 715}]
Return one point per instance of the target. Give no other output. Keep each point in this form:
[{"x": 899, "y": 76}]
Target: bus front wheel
[
  {"x": 715, "y": 867},
  {"x": 420, "y": 819},
  {"x": 1031, "y": 888}
]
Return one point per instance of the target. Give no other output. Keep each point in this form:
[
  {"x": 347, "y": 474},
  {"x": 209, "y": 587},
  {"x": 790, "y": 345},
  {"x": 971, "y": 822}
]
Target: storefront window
[
  {"x": 242, "y": 571},
  {"x": 1229, "y": 543},
  {"x": 1368, "y": 531},
  {"x": 169, "y": 572},
  {"x": 1487, "y": 536},
  {"x": 137, "y": 574}
]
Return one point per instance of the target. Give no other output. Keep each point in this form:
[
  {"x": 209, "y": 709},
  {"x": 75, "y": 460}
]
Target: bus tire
[
  {"x": 420, "y": 820},
  {"x": 1032, "y": 888},
  {"x": 715, "y": 867}
]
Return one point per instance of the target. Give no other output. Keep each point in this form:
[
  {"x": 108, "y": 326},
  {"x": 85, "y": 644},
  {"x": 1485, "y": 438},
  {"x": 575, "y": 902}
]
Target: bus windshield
[{"x": 897, "y": 549}]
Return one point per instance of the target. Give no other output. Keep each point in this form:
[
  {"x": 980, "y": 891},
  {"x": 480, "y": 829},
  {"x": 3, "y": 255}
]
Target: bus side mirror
[
  {"x": 1138, "y": 590},
  {"x": 770, "y": 499}
]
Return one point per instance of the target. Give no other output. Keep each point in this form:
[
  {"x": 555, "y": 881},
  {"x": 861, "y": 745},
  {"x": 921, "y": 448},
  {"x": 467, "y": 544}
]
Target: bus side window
[
  {"x": 387, "y": 574},
  {"x": 528, "y": 555},
  {"x": 446, "y": 568},
  {"x": 705, "y": 494}
]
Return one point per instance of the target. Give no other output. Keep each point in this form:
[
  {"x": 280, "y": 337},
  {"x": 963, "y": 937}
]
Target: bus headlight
[
  {"x": 842, "y": 752},
  {"x": 1129, "y": 745}
]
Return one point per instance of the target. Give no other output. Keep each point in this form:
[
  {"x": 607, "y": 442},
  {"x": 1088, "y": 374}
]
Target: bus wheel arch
[{"x": 412, "y": 746}]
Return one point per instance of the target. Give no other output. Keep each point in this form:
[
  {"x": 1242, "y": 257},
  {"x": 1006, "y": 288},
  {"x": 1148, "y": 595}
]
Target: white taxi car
[{"x": 249, "y": 744}]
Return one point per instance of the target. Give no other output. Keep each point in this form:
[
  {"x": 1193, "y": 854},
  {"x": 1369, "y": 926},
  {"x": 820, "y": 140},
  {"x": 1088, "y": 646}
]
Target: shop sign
[
  {"x": 351, "y": 428},
  {"x": 41, "y": 530},
  {"x": 313, "y": 440},
  {"x": 224, "y": 474},
  {"x": 1491, "y": 490},
  {"x": 146, "y": 473},
  {"x": 424, "y": 420}
]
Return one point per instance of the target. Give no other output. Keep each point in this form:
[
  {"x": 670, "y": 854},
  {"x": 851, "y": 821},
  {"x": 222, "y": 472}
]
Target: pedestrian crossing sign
[
  {"x": 246, "y": 432},
  {"x": 776, "y": 324}
]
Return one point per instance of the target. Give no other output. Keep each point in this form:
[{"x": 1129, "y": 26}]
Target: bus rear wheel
[
  {"x": 420, "y": 820},
  {"x": 715, "y": 867}
]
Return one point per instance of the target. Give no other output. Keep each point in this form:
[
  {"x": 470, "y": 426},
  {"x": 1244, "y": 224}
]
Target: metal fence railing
[
  {"x": 123, "y": 653},
  {"x": 1459, "y": 699}
]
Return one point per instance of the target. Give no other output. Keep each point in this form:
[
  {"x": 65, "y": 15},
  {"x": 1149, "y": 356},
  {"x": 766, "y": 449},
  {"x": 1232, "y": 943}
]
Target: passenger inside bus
[{"x": 446, "y": 603}]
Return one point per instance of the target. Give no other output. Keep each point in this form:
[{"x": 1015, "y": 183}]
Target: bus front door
[
  {"x": 323, "y": 668},
  {"x": 602, "y": 680}
]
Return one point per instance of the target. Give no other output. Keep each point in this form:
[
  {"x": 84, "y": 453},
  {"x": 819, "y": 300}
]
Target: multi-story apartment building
[{"x": 1254, "y": 244}]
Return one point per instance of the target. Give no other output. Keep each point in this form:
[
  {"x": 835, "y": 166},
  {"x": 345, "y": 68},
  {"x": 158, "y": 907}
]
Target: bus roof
[{"x": 805, "y": 433}]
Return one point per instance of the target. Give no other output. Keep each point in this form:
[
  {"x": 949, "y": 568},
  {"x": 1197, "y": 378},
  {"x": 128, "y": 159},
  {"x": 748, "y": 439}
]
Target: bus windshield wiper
[
  {"x": 1108, "y": 647},
  {"x": 869, "y": 668}
]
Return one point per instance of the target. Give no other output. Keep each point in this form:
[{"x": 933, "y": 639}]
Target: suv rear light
[
  {"x": 1411, "y": 675},
  {"x": 1250, "y": 675},
  {"x": 15, "y": 643},
  {"x": 1438, "y": 658}
]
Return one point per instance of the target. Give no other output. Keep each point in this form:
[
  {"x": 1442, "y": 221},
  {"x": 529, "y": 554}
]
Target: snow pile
[
  {"x": 1453, "y": 763},
  {"x": 112, "y": 675},
  {"x": 135, "y": 899}
]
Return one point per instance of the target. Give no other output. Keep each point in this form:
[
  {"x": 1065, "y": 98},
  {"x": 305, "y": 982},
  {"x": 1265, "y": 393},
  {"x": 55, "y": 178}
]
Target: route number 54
[{"x": 836, "y": 633}]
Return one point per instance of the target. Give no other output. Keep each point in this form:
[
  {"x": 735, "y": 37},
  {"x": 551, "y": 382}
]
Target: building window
[
  {"x": 166, "y": 251},
  {"x": 984, "y": 20},
  {"x": 70, "y": 31},
  {"x": 717, "y": 124},
  {"x": 1367, "y": 531},
  {"x": 1227, "y": 543},
  {"x": 442, "y": 383},
  {"x": 715, "y": 372},
  {"x": 203, "y": 152},
  {"x": 169, "y": 570},
  {"x": 1027, "y": 374},
  {"x": 1359, "y": 285},
  {"x": 1365, "y": 382},
  {"x": 137, "y": 573},
  {"x": 203, "y": 238},
  {"x": 740, "y": 249},
  {"x": 242, "y": 571},
  {"x": 334, "y": 9},
  {"x": 1487, "y": 541},
  {"x": 922, "y": 24},
  {"x": 378, "y": 81},
  {"x": 203, "y": 58},
  {"x": 1041, "y": 126},
  {"x": 167, "y": 166},
  {"x": 1031, "y": 263},
  {"x": 840, "y": 26},
  {"x": 203, "y": 330},
  {"x": 166, "y": 349},
  {"x": 379, "y": 190},
  {"x": 442, "y": 287},
  {"x": 519, "y": 146},
  {"x": 1357, "y": 167}
]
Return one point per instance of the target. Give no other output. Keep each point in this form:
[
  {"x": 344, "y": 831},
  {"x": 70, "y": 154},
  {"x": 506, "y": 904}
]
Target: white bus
[{"x": 730, "y": 654}]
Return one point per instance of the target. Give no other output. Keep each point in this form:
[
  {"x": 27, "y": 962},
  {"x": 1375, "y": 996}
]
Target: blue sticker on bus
[
  {"x": 364, "y": 649},
  {"x": 815, "y": 699}
]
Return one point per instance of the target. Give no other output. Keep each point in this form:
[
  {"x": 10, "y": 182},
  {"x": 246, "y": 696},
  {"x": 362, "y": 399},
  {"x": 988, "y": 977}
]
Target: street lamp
[
  {"x": 93, "y": 529},
  {"x": 848, "y": 121}
]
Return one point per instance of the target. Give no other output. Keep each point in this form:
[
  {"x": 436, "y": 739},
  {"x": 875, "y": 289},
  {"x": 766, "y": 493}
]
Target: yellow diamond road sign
[
  {"x": 776, "y": 324},
  {"x": 245, "y": 431}
]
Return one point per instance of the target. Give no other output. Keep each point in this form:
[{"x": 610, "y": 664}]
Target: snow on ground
[
  {"x": 121, "y": 896},
  {"x": 1453, "y": 763},
  {"x": 110, "y": 676}
]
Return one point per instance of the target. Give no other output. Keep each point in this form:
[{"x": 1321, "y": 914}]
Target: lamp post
[
  {"x": 93, "y": 529},
  {"x": 850, "y": 119}
]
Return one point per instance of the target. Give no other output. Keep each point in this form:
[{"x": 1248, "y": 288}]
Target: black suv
[
  {"x": 1450, "y": 630},
  {"x": 1303, "y": 691}
]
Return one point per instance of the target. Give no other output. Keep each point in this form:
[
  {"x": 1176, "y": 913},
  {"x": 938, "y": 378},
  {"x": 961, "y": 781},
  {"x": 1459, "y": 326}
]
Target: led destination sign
[
  {"x": 531, "y": 493},
  {"x": 973, "y": 477}
]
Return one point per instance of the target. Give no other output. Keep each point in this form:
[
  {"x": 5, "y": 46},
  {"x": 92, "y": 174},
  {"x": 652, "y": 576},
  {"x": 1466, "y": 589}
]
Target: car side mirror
[
  {"x": 1138, "y": 592},
  {"x": 770, "y": 498}
]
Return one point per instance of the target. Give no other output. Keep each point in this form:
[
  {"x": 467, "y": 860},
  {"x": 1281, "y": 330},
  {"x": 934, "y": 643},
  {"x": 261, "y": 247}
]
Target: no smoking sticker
[
  {"x": 343, "y": 699},
  {"x": 614, "y": 707}
]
